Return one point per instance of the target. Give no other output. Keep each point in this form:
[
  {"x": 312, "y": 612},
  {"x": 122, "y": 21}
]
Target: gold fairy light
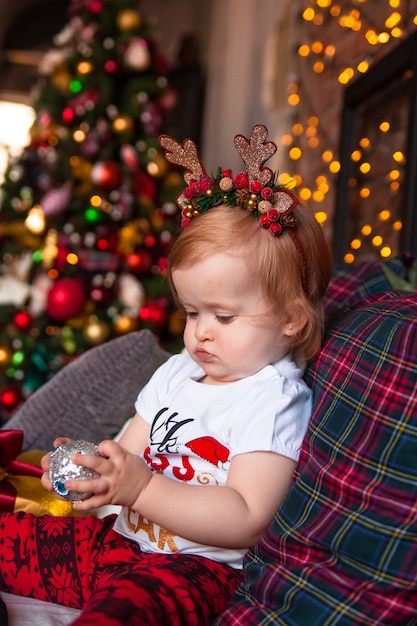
[
  {"x": 35, "y": 220},
  {"x": 294, "y": 181},
  {"x": 305, "y": 194},
  {"x": 304, "y": 50},
  {"x": 397, "y": 32},
  {"x": 295, "y": 153},
  {"x": 313, "y": 142},
  {"x": 284, "y": 178},
  {"x": 398, "y": 156},
  {"x": 346, "y": 75},
  {"x": 72, "y": 258},
  {"x": 96, "y": 201},
  {"x": 317, "y": 47},
  {"x": 50, "y": 250},
  {"x": 364, "y": 143},
  {"x": 320, "y": 216},
  {"x": 304, "y": 135},
  {"x": 318, "y": 67},
  {"x": 371, "y": 37},
  {"x": 309, "y": 14},
  {"x": 79, "y": 135},
  {"x": 294, "y": 99},
  {"x": 384, "y": 215},
  {"x": 84, "y": 67},
  {"x": 318, "y": 196},
  {"x": 330, "y": 51},
  {"x": 365, "y": 168},
  {"x": 385, "y": 252},
  {"x": 335, "y": 10},
  {"x": 393, "y": 20},
  {"x": 394, "y": 174},
  {"x": 383, "y": 37},
  {"x": 362, "y": 67}
]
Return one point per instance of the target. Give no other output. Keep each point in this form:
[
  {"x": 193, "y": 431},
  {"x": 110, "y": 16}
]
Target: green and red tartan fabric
[{"x": 343, "y": 548}]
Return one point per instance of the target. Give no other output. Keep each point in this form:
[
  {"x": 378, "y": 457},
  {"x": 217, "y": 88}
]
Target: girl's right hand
[{"x": 46, "y": 462}]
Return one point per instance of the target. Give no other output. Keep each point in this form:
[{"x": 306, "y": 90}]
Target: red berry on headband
[{"x": 276, "y": 228}]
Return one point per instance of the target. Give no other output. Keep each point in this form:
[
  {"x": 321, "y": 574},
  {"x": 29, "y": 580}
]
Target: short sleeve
[{"x": 274, "y": 417}]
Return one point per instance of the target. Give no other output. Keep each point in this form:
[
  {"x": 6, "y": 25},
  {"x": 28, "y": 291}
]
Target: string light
[{"x": 320, "y": 56}]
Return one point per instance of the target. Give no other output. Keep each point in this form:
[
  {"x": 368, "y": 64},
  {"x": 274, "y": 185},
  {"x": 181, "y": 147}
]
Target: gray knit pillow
[{"x": 93, "y": 396}]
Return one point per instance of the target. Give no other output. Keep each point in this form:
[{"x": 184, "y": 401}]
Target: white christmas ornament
[
  {"x": 14, "y": 286},
  {"x": 131, "y": 292},
  {"x": 39, "y": 294},
  {"x": 137, "y": 55}
]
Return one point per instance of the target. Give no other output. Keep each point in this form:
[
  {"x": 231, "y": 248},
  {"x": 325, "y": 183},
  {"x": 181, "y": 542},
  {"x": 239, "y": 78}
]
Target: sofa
[{"x": 342, "y": 549}]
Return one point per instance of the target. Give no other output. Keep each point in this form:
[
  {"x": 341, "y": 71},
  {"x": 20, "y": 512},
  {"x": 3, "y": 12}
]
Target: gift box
[{"x": 20, "y": 479}]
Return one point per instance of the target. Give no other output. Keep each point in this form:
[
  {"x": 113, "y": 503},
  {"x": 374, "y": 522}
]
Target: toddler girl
[{"x": 209, "y": 454}]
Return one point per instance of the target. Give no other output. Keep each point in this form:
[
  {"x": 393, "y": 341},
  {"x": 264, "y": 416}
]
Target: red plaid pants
[{"x": 83, "y": 563}]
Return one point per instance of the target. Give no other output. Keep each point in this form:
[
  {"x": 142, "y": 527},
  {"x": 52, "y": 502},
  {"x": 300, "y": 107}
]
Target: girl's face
[{"x": 230, "y": 329}]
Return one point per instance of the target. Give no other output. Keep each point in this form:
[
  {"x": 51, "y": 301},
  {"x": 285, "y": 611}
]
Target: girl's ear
[
  {"x": 296, "y": 323},
  {"x": 294, "y": 327}
]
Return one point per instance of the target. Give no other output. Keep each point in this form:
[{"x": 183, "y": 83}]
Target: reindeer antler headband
[{"x": 254, "y": 190}]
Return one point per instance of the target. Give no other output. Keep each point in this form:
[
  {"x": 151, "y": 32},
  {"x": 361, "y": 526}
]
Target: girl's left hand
[{"x": 122, "y": 476}]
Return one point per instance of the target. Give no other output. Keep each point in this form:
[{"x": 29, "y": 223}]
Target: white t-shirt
[{"x": 196, "y": 430}]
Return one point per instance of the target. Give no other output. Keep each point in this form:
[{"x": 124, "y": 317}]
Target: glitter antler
[
  {"x": 254, "y": 152},
  {"x": 185, "y": 154},
  {"x": 255, "y": 190}
]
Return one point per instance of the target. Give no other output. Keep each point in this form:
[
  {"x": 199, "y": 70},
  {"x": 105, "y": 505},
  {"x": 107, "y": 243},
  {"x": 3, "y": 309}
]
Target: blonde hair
[{"x": 274, "y": 260}]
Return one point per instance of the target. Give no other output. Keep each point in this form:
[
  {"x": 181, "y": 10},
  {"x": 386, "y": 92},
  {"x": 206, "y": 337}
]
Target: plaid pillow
[
  {"x": 350, "y": 285},
  {"x": 343, "y": 547}
]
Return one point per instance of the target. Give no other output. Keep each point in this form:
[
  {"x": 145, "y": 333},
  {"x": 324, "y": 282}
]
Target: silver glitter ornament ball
[{"x": 62, "y": 468}]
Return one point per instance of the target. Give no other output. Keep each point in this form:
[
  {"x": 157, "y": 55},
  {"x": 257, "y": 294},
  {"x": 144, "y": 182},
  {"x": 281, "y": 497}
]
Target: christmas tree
[{"x": 87, "y": 211}]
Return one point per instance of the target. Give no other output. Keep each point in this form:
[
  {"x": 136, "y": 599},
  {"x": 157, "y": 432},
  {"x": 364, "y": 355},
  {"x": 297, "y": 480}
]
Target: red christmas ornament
[
  {"x": 144, "y": 185},
  {"x": 155, "y": 312},
  {"x": 22, "y": 320},
  {"x": 68, "y": 115},
  {"x": 66, "y": 299},
  {"x": 139, "y": 262},
  {"x": 95, "y": 6},
  {"x": 110, "y": 66},
  {"x": 10, "y": 397},
  {"x": 106, "y": 174}
]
